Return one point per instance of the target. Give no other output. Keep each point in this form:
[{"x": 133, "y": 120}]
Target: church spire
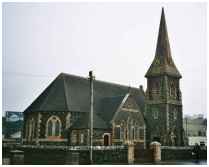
[{"x": 163, "y": 63}]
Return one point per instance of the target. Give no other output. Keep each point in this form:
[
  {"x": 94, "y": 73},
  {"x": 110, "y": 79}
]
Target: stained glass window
[
  {"x": 50, "y": 128},
  {"x": 53, "y": 126},
  {"x": 57, "y": 128}
]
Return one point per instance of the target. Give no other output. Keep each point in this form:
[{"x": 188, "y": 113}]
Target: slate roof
[
  {"x": 163, "y": 62},
  {"x": 109, "y": 106},
  {"x": 72, "y": 93}
]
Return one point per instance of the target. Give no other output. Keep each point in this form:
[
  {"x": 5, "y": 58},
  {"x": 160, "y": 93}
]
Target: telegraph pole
[
  {"x": 91, "y": 78},
  {"x": 186, "y": 128}
]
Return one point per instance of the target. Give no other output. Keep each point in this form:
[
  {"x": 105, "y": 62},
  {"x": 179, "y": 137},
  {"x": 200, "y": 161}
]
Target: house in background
[
  {"x": 195, "y": 128},
  {"x": 12, "y": 126}
]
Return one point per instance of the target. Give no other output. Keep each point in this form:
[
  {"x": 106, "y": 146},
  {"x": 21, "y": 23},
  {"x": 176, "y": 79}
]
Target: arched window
[
  {"x": 117, "y": 132},
  {"x": 53, "y": 126},
  {"x": 173, "y": 90},
  {"x": 155, "y": 113},
  {"x": 50, "y": 128},
  {"x": 57, "y": 128}
]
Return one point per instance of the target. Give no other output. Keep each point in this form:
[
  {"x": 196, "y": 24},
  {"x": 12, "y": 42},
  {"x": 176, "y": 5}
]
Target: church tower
[{"x": 163, "y": 111}]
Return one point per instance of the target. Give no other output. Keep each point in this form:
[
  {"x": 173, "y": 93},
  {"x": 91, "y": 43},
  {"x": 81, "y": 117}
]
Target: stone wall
[
  {"x": 48, "y": 155},
  {"x": 44, "y": 157},
  {"x": 61, "y": 155},
  {"x": 181, "y": 153},
  {"x": 169, "y": 153}
]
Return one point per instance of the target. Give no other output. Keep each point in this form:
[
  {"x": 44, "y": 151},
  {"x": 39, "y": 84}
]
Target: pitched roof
[
  {"x": 163, "y": 62},
  {"x": 52, "y": 98},
  {"x": 71, "y": 93},
  {"x": 109, "y": 106}
]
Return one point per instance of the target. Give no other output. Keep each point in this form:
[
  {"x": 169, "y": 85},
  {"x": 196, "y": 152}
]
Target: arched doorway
[{"x": 106, "y": 139}]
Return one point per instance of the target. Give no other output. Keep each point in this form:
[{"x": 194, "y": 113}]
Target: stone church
[{"x": 122, "y": 114}]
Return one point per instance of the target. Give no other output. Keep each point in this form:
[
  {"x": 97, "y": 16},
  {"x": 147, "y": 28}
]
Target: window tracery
[{"x": 53, "y": 126}]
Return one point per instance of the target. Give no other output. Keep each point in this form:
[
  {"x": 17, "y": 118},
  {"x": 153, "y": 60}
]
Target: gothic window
[
  {"x": 173, "y": 90},
  {"x": 137, "y": 132},
  {"x": 50, "y": 128},
  {"x": 141, "y": 133},
  {"x": 117, "y": 132},
  {"x": 53, "y": 126},
  {"x": 57, "y": 128},
  {"x": 155, "y": 113}
]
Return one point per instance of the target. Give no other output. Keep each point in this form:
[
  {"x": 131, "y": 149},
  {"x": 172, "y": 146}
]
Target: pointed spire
[
  {"x": 163, "y": 47},
  {"x": 163, "y": 63}
]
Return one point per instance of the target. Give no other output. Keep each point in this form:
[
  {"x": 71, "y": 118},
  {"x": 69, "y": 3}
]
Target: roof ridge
[{"x": 111, "y": 83}]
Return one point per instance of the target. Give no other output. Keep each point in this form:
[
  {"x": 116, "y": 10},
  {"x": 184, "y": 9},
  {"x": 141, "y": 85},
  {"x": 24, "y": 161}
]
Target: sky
[{"x": 115, "y": 40}]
